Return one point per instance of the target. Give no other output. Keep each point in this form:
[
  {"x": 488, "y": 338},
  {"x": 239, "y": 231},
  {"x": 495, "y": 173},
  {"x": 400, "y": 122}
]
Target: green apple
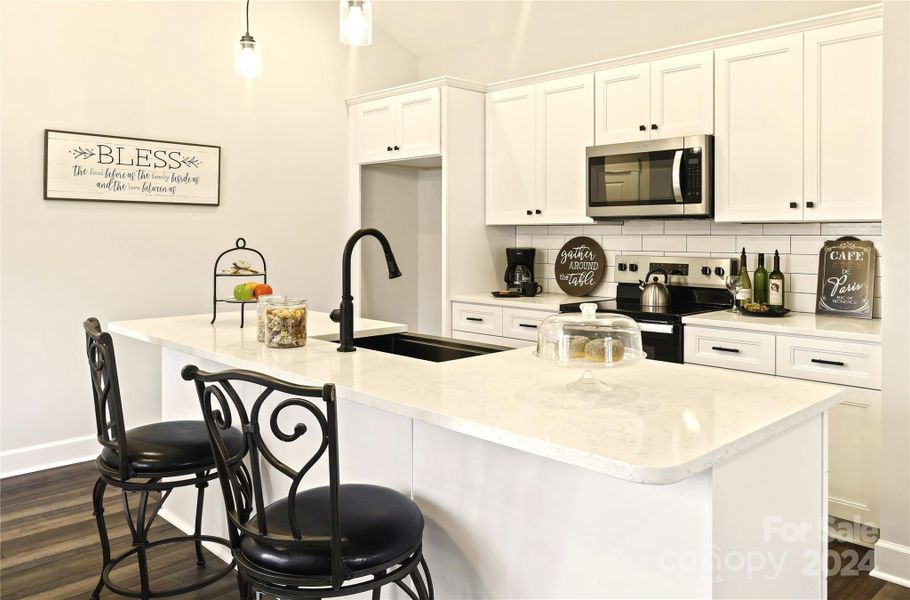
[{"x": 243, "y": 292}]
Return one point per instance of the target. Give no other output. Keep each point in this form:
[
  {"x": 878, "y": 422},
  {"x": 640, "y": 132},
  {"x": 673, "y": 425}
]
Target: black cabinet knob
[
  {"x": 397, "y": 148},
  {"x": 388, "y": 148},
  {"x": 642, "y": 128},
  {"x": 538, "y": 211},
  {"x": 653, "y": 125},
  {"x": 530, "y": 213},
  {"x": 810, "y": 204},
  {"x": 633, "y": 267},
  {"x": 794, "y": 205}
]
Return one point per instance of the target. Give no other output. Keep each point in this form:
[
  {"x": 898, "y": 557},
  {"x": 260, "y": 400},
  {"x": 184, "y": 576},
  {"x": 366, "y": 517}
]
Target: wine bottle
[
  {"x": 745, "y": 294},
  {"x": 776, "y": 284},
  {"x": 760, "y": 282}
]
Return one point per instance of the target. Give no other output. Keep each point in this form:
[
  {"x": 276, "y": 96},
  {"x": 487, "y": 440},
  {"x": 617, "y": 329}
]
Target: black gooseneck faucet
[{"x": 344, "y": 314}]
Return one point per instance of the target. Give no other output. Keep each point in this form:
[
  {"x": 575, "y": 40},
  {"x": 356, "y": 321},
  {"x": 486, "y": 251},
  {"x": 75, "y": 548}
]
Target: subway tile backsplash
[{"x": 798, "y": 244}]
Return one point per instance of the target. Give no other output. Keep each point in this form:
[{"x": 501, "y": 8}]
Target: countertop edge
[{"x": 768, "y": 326}]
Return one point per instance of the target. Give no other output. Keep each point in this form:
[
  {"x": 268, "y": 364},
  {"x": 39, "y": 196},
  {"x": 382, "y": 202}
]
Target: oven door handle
[
  {"x": 677, "y": 186},
  {"x": 657, "y": 328}
]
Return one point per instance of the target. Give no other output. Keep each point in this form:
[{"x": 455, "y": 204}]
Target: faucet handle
[{"x": 335, "y": 315}]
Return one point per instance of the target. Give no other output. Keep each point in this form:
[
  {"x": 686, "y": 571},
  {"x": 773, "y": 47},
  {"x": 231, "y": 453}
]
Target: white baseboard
[
  {"x": 219, "y": 550},
  {"x": 892, "y": 563},
  {"x": 48, "y": 455}
]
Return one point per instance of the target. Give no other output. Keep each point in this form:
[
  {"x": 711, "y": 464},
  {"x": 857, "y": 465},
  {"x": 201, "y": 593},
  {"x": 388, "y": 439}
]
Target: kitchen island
[{"x": 704, "y": 483}]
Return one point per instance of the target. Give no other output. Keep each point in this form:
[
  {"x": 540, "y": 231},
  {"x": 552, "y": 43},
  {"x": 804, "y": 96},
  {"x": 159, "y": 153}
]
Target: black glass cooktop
[{"x": 683, "y": 301}]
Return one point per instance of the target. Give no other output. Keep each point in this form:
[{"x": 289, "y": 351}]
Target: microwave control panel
[{"x": 693, "y": 158}]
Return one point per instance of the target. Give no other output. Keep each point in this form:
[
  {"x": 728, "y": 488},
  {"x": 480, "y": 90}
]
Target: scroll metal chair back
[
  {"x": 242, "y": 488},
  {"x": 106, "y": 393}
]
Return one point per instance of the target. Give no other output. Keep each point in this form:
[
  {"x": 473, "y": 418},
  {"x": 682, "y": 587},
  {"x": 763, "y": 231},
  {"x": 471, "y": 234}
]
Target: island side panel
[
  {"x": 374, "y": 446},
  {"x": 770, "y": 517},
  {"x": 502, "y": 523}
]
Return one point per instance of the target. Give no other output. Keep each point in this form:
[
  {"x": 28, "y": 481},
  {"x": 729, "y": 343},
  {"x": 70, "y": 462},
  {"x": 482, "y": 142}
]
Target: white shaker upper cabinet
[
  {"x": 375, "y": 130},
  {"x": 682, "y": 96},
  {"x": 622, "y": 104},
  {"x": 758, "y": 147},
  {"x": 843, "y": 129},
  {"x": 565, "y": 128},
  {"x": 511, "y": 155},
  {"x": 417, "y": 124}
]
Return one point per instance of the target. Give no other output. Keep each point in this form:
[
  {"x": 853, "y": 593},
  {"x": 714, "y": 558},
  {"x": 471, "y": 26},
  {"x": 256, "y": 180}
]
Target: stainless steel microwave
[{"x": 673, "y": 177}]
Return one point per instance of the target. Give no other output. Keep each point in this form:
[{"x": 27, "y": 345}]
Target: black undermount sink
[{"x": 425, "y": 347}]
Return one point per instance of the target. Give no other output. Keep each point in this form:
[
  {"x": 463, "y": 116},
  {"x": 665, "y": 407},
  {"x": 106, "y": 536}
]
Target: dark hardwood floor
[{"x": 49, "y": 546}]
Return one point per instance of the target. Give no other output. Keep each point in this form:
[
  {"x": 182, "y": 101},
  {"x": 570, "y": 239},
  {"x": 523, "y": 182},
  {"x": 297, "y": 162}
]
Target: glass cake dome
[{"x": 590, "y": 339}]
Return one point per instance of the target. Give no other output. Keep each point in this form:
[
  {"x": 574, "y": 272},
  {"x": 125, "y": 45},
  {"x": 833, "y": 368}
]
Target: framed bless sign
[
  {"x": 846, "y": 276},
  {"x": 87, "y": 166}
]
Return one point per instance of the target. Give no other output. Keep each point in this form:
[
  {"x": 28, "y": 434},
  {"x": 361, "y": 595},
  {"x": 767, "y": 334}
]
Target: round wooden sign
[{"x": 580, "y": 265}]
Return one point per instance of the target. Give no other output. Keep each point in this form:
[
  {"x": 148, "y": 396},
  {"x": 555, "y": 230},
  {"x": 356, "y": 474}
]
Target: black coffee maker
[{"x": 520, "y": 267}]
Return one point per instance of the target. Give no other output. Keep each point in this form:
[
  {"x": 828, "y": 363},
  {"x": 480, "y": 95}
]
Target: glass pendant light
[
  {"x": 356, "y": 22},
  {"x": 248, "y": 61}
]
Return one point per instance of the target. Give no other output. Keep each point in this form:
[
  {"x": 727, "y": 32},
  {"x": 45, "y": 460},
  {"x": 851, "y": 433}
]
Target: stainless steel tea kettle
[{"x": 654, "y": 293}]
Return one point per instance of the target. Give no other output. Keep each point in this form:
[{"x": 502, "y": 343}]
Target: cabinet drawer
[
  {"x": 830, "y": 361},
  {"x": 522, "y": 324},
  {"x": 741, "y": 350},
  {"x": 477, "y": 318}
]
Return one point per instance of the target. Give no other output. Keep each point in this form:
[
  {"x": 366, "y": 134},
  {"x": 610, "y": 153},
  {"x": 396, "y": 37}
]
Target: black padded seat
[
  {"x": 378, "y": 526},
  {"x": 171, "y": 447}
]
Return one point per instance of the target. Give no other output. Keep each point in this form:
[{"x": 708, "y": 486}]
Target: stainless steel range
[{"x": 695, "y": 285}]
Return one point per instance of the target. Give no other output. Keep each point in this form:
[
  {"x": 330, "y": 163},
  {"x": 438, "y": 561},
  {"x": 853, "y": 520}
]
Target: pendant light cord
[{"x": 248, "y": 17}]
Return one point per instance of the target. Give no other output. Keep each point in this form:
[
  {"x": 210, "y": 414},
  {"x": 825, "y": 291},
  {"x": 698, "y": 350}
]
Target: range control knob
[
  {"x": 719, "y": 271},
  {"x": 706, "y": 271},
  {"x": 633, "y": 267},
  {"x": 621, "y": 266}
]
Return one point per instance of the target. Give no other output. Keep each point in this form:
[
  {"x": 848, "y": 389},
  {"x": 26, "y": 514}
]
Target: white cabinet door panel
[
  {"x": 682, "y": 95},
  {"x": 758, "y": 147},
  {"x": 830, "y": 361},
  {"x": 375, "y": 130},
  {"x": 854, "y": 445},
  {"x": 511, "y": 155},
  {"x": 740, "y": 350},
  {"x": 843, "y": 129},
  {"x": 565, "y": 128},
  {"x": 418, "y": 130},
  {"x": 477, "y": 318},
  {"x": 622, "y": 104}
]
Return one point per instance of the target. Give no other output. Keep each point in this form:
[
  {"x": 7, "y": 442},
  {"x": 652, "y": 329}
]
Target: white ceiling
[{"x": 429, "y": 26}]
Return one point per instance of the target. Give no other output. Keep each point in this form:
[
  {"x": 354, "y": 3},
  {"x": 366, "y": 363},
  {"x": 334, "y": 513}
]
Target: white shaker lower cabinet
[
  {"x": 843, "y": 128},
  {"x": 854, "y": 429},
  {"x": 758, "y": 146},
  {"x": 501, "y": 326}
]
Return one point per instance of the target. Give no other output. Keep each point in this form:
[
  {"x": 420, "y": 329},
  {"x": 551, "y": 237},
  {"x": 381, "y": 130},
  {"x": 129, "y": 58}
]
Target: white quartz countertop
[
  {"x": 680, "y": 419},
  {"x": 842, "y": 328},
  {"x": 548, "y": 302}
]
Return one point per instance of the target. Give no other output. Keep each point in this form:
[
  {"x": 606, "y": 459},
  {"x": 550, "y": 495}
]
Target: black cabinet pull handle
[
  {"x": 388, "y": 148},
  {"x": 833, "y": 363},
  {"x": 538, "y": 211},
  {"x": 653, "y": 125},
  {"x": 528, "y": 325},
  {"x": 794, "y": 205},
  {"x": 810, "y": 204},
  {"x": 642, "y": 128},
  {"x": 397, "y": 148},
  {"x": 723, "y": 349},
  {"x": 530, "y": 213},
  {"x": 478, "y": 319}
]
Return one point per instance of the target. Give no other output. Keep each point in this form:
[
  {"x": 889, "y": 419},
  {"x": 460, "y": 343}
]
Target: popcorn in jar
[{"x": 285, "y": 324}]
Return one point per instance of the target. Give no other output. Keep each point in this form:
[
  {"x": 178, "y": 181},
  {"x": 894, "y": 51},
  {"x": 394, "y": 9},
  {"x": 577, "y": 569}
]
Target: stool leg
[
  {"x": 200, "y": 498},
  {"x": 378, "y": 591},
  {"x": 98, "y": 512},
  {"x": 140, "y": 539},
  {"x": 243, "y": 587},
  {"x": 431, "y": 595}
]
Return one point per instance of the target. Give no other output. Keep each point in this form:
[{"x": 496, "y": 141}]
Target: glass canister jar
[
  {"x": 261, "y": 306},
  {"x": 285, "y": 323}
]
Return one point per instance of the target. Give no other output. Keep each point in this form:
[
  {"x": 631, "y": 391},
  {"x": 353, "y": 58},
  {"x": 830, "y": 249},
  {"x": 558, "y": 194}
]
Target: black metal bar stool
[
  {"x": 142, "y": 460},
  {"x": 322, "y": 542}
]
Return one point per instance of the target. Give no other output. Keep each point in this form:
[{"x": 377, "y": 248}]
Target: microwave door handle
[{"x": 677, "y": 187}]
